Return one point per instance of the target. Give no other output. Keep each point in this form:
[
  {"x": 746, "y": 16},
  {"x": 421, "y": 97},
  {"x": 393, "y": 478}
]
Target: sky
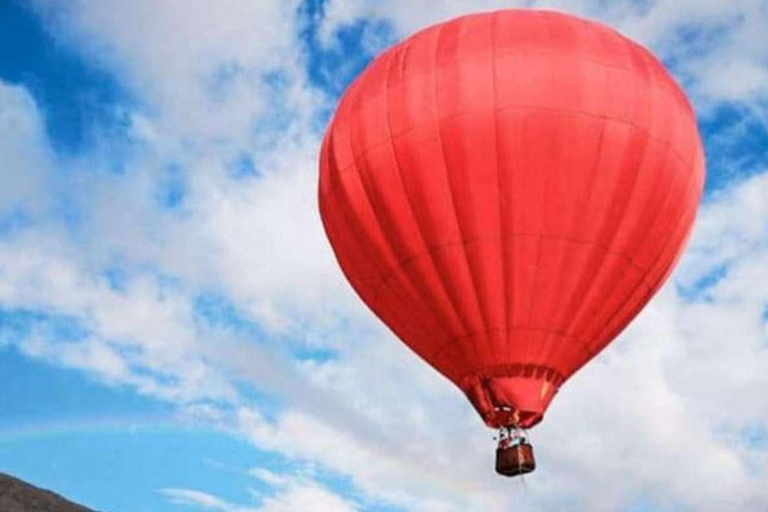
[{"x": 175, "y": 334}]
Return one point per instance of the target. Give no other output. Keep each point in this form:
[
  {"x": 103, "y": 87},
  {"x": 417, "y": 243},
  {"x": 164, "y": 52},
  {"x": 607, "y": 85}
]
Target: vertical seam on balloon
[
  {"x": 374, "y": 299},
  {"x": 592, "y": 257},
  {"x": 416, "y": 221},
  {"x": 501, "y": 197},
  {"x": 561, "y": 317},
  {"x": 651, "y": 288},
  {"x": 656, "y": 214},
  {"x": 435, "y": 71},
  {"x": 354, "y": 105},
  {"x": 595, "y": 348},
  {"x": 430, "y": 306},
  {"x": 612, "y": 236},
  {"x": 500, "y": 209},
  {"x": 541, "y": 351},
  {"x": 353, "y": 221},
  {"x": 690, "y": 210},
  {"x": 348, "y": 211},
  {"x": 595, "y": 340},
  {"x": 404, "y": 58},
  {"x": 642, "y": 278},
  {"x": 657, "y": 176},
  {"x": 538, "y": 353},
  {"x": 698, "y": 190},
  {"x": 528, "y": 348}
]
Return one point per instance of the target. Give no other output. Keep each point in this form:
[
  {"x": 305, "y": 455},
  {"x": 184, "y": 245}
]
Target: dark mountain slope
[{"x": 19, "y": 496}]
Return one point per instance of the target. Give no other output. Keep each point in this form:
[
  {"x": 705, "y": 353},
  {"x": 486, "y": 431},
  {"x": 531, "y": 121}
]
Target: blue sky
[{"x": 175, "y": 335}]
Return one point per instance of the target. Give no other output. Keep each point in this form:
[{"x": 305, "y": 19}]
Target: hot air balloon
[{"x": 506, "y": 191}]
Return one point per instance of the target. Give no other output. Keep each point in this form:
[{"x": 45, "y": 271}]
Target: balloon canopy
[{"x": 506, "y": 191}]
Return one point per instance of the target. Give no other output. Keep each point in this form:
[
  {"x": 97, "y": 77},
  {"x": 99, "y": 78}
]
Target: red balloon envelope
[{"x": 506, "y": 191}]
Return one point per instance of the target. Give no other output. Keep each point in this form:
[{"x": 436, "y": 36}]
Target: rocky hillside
[{"x": 18, "y": 496}]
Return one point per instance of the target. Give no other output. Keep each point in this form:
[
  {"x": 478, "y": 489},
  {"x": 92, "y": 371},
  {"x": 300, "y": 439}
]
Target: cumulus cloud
[
  {"x": 201, "y": 68},
  {"x": 26, "y": 157},
  {"x": 307, "y": 496},
  {"x": 290, "y": 494},
  {"x": 223, "y": 118},
  {"x": 200, "y": 499}
]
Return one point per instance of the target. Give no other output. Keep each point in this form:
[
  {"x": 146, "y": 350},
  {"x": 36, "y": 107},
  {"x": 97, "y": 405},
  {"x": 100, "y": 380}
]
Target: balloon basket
[{"x": 515, "y": 460}]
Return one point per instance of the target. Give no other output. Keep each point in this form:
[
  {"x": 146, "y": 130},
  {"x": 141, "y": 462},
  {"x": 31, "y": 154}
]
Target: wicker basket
[{"x": 515, "y": 460}]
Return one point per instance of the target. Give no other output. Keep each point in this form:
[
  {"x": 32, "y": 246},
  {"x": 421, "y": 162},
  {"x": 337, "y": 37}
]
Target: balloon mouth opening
[
  {"x": 513, "y": 395},
  {"x": 506, "y": 416}
]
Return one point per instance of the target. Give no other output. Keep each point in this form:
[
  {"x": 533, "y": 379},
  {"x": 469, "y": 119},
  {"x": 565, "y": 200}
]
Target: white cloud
[
  {"x": 201, "y": 500},
  {"x": 293, "y": 494},
  {"x": 23, "y": 146},
  {"x": 200, "y": 67},
  {"x": 268, "y": 477},
  {"x": 304, "y": 495}
]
